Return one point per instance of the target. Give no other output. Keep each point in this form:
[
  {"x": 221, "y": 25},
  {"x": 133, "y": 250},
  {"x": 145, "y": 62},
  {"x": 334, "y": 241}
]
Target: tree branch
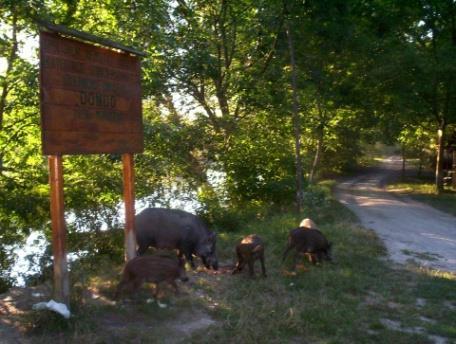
[{"x": 10, "y": 61}]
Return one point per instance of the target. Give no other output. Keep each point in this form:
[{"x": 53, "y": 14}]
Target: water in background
[{"x": 29, "y": 255}]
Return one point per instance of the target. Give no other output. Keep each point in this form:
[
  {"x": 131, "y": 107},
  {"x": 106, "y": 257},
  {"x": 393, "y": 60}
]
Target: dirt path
[{"x": 409, "y": 229}]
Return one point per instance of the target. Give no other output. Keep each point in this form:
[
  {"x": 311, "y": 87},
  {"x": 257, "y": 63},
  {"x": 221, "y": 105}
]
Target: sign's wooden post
[
  {"x": 61, "y": 283},
  {"x": 129, "y": 199}
]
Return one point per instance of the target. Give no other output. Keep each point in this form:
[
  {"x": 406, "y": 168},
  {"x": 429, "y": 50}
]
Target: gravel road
[{"x": 409, "y": 229}]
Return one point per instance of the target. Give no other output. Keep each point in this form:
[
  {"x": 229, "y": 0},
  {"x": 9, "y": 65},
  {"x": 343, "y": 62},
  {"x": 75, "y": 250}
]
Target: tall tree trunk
[
  {"x": 421, "y": 161},
  {"x": 296, "y": 121},
  {"x": 403, "y": 161},
  {"x": 320, "y": 137},
  {"x": 317, "y": 158},
  {"x": 453, "y": 175},
  {"x": 5, "y": 85},
  {"x": 439, "y": 163},
  {"x": 9, "y": 66}
]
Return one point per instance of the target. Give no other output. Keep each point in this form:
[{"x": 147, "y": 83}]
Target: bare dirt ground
[
  {"x": 119, "y": 323},
  {"x": 410, "y": 230}
]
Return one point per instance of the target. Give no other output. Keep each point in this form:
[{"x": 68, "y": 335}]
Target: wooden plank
[
  {"x": 76, "y": 51},
  {"x": 89, "y": 100},
  {"x": 129, "y": 199},
  {"x": 88, "y": 37},
  {"x": 453, "y": 175},
  {"x": 62, "y": 117},
  {"x": 89, "y": 142},
  {"x": 61, "y": 280},
  {"x": 76, "y": 82},
  {"x": 61, "y": 64}
]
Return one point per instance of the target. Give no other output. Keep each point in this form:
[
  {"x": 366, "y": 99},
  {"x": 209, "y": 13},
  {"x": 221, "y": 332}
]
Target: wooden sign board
[
  {"x": 90, "y": 98},
  {"x": 90, "y": 104}
]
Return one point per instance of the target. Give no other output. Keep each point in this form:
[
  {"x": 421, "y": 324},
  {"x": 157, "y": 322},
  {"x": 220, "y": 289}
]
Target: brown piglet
[
  {"x": 248, "y": 250},
  {"x": 154, "y": 269}
]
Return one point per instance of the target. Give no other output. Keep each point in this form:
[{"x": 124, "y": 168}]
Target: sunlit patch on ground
[{"x": 433, "y": 272}]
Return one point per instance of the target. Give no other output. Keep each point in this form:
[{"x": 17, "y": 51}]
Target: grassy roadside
[
  {"x": 423, "y": 191},
  {"x": 361, "y": 298},
  {"x": 358, "y": 299}
]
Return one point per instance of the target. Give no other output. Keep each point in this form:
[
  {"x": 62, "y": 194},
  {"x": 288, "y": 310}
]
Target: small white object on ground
[
  {"x": 53, "y": 306},
  {"x": 161, "y": 305}
]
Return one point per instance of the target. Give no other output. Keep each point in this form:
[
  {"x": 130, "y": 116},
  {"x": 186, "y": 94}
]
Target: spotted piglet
[{"x": 250, "y": 248}]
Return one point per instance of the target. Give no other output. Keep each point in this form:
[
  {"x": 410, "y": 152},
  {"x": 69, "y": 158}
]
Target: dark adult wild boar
[
  {"x": 176, "y": 229},
  {"x": 310, "y": 242},
  {"x": 248, "y": 250},
  {"x": 154, "y": 269}
]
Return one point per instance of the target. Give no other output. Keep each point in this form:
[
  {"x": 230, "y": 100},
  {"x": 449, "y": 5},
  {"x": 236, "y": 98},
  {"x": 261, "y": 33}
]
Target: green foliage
[
  {"x": 6, "y": 281},
  {"x": 317, "y": 204},
  {"x": 259, "y": 164},
  {"x": 96, "y": 244},
  {"x": 417, "y": 143},
  {"x": 228, "y": 219}
]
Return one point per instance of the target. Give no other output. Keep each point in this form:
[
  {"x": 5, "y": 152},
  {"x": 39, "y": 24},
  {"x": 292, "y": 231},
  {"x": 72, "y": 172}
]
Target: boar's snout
[
  {"x": 210, "y": 261},
  {"x": 207, "y": 253},
  {"x": 215, "y": 265}
]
